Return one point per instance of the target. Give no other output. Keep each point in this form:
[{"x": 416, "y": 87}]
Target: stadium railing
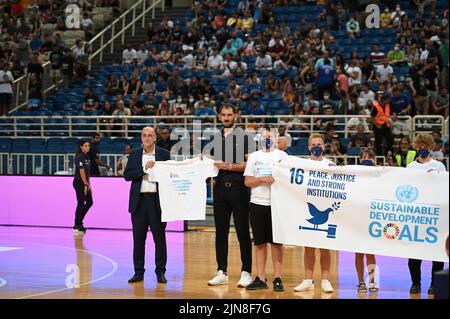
[
  {"x": 131, "y": 126},
  {"x": 20, "y": 85},
  {"x": 121, "y": 24}
]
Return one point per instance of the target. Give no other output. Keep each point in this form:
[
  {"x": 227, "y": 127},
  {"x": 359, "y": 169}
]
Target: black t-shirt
[
  {"x": 231, "y": 149},
  {"x": 93, "y": 156},
  {"x": 35, "y": 68},
  {"x": 35, "y": 90},
  {"x": 419, "y": 82},
  {"x": 166, "y": 144},
  {"x": 82, "y": 162},
  {"x": 90, "y": 99},
  {"x": 55, "y": 59},
  {"x": 67, "y": 64},
  {"x": 431, "y": 75}
]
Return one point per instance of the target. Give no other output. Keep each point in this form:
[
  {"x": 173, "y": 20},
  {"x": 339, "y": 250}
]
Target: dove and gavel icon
[{"x": 320, "y": 217}]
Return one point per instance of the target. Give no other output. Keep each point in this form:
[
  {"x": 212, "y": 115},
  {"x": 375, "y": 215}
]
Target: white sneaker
[
  {"x": 219, "y": 279},
  {"x": 326, "y": 286},
  {"x": 246, "y": 279},
  {"x": 306, "y": 285}
]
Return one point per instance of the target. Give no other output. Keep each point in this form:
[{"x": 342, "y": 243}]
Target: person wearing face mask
[
  {"x": 258, "y": 177},
  {"x": 424, "y": 143},
  {"x": 366, "y": 158},
  {"x": 396, "y": 57},
  {"x": 316, "y": 146}
]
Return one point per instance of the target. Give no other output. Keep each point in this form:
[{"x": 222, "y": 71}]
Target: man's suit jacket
[{"x": 134, "y": 173}]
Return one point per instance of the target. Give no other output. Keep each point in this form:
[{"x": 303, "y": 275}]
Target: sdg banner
[{"x": 387, "y": 211}]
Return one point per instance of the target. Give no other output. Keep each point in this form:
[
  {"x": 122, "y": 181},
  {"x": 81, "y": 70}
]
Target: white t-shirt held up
[{"x": 182, "y": 188}]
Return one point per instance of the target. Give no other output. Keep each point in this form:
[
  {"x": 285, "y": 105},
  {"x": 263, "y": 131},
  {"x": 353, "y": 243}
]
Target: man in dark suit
[{"x": 144, "y": 205}]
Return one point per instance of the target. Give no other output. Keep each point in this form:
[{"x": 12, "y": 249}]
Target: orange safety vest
[{"x": 382, "y": 116}]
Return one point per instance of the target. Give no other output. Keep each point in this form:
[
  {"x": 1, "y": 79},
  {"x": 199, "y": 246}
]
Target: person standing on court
[
  {"x": 424, "y": 144},
  {"x": 82, "y": 186},
  {"x": 144, "y": 205},
  {"x": 94, "y": 156},
  {"x": 316, "y": 146},
  {"x": 258, "y": 177},
  {"x": 231, "y": 196}
]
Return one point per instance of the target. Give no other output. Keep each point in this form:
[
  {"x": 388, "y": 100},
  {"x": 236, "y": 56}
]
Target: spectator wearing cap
[{"x": 189, "y": 58}]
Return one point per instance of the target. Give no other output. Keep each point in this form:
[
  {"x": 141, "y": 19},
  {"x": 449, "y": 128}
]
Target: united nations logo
[{"x": 406, "y": 193}]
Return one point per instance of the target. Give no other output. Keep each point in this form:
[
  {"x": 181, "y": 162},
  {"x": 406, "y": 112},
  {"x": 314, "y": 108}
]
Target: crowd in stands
[
  {"x": 248, "y": 54},
  {"x": 30, "y": 35}
]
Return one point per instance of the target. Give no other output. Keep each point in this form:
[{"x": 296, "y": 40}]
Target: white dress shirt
[{"x": 147, "y": 186}]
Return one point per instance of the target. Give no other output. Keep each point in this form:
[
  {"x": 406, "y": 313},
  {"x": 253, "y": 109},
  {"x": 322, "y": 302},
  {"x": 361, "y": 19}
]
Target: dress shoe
[
  {"x": 136, "y": 278},
  {"x": 161, "y": 279}
]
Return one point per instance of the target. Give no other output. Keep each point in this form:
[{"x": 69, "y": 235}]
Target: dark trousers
[
  {"x": 227, "y": 201},
  {"x": 147, "y": 214},
  {"x": 414, "y": 270},
  {"x": 381, "y": 134},
  {"x": 84, "y": 202}
]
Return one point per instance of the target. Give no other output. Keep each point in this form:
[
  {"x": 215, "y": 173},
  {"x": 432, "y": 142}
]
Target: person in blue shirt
[
  {"x": 236, "y": 41},
  {"x": 82, "y": 186},
  {"x": 204, "y": 109},
  {"x": 228, "y": 49},
  {"x": 161, "y": 85},
  {"x": 256, "y": 88},
  {"x": 326, "y": 76},
  {"x": 400, "y": 103},
  {"x": 256, "y": 110}
]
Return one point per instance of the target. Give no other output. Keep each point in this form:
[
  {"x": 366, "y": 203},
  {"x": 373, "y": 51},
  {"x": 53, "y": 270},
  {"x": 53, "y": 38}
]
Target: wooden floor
[{"x": 40, "y": 263}]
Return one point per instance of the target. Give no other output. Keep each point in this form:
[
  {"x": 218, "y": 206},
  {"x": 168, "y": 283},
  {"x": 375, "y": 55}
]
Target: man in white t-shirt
[
  {"x": 316, "y": 146},
  {"x": 366, "y": 94},
  {"x": 129, "y": 55},
  {"x": 182, "y": 188},
  {"x": 6, "y": 80},
  {"x": 141, "y": 54},
  {"x": 258, "y": 177},
  {"x": 355, "y": 74},
  {"x": 188, "y": 59},
  {"x": 424, "y": 143},
  {"x": 385, "y": 72},
  {"x": 215, "y": 61}
]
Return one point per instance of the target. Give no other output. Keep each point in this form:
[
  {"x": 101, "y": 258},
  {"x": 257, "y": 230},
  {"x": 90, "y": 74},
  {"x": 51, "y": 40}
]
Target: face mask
[
  {"x": 206, "y": 99},
  {"x": 367, "y": 162},
  {"x": 423, "y": 153},
  {"x": 268, "y": 143},
  {"x": 326, "y": 97},
  {"x": 317, "y": 151},
  {"x": 191, "y": 100},
  {"x": 179, "y": 100}
]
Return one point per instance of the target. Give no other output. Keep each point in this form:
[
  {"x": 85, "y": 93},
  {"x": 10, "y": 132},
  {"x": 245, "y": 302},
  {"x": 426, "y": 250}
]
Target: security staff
[
  {"x": 144, "y": 205},
  {"x": 405, "y": 155},
  {"x": 381, "y": 114},
  {"x": 231, "y": 149},
  {"x": 82, "y": 186}
]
